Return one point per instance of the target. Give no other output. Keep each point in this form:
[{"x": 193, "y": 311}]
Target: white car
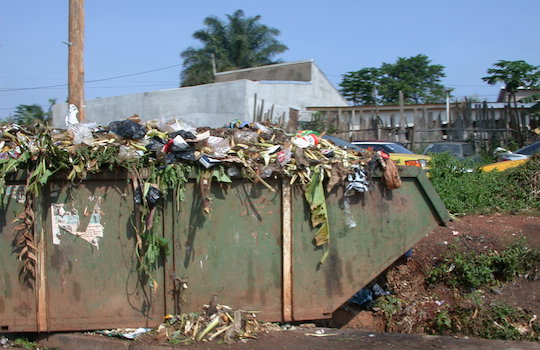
[{"x": 522, "y": 153}]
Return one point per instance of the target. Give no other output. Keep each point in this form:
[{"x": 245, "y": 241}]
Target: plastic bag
[
  {"x": 245, "y": 136},
  {"x": 155, "y": 144},
  {"x": 126, "y": 153},
  {"x": 188, "y": 135},
  {"x": 284, "y": 156},
  {"x": 175, "y": 126},
  {"x": 262, "y": 129},
  {"x": 179, "y": 142},
  {"x": 128, "y": 129},
  {"x": 82, "y": 133},
  {"x": 180, "y": 155},
  {"x": 357, "y": 182},
  {"x": 220, "y": 146},
  {"x": 153, "y": 196}
]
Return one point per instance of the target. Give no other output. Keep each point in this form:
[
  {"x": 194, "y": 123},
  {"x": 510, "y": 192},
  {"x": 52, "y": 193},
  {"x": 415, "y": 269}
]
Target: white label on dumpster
[
  {"x": 16, "y": 192},
  {"x": 68, "y": 221}
]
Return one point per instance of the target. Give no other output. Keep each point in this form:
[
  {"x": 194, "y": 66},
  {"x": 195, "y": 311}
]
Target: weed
[
  {"x": 470, "y": 271},
  {"x": 389, "y": 305},
  {"x": 25, "y": 343},
  {"x": 470, "y": 192},
  {"x": 443, "y": 321},
  {"x": 494, "y": 321}
]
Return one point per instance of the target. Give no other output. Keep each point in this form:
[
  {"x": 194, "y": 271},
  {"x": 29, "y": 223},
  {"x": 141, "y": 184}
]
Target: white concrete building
[{"x": 274, "y": 91}]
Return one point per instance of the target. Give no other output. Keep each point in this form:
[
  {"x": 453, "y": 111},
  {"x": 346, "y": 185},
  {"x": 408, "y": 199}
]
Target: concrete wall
[
  {"x": 215, "y": 104},
  {"x": 204, "y": 105},
  {"x": 293, "y": 71}
]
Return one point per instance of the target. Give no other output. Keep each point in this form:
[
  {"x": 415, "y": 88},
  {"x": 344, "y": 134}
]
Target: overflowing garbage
[
  {"x": 215, "y": 323},
  {"x": 160, "y": 157}
]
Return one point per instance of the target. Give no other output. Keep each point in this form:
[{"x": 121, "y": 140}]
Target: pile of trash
[
  {"x": 251, "y": 150},
  {"x": 216, "y": 323}
]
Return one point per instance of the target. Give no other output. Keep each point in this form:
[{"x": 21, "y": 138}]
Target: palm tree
[
  {"x": 514, "y": 75},
  {"x": 242, "y": 42}
]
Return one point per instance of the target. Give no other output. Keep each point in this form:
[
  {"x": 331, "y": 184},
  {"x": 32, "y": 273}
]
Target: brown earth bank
[{"x": 420, "y": 303}]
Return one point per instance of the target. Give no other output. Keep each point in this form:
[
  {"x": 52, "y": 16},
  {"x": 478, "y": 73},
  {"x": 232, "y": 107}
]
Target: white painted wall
[{"x": 212, "y": 105}]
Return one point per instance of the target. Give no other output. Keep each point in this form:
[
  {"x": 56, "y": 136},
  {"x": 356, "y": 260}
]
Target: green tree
[
  {"x": 359, "y": 86},
  {"x": 416, "y": 77},
  {"x": 28, "y": 115},
  {"x": 240, "y": 42},
  {"x": 514, "y": 75}
]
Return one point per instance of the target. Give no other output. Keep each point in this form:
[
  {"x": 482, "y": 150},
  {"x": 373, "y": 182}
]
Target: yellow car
[
  {"x": 397, "y": 152},
  {"x": 501, "y": 166}
]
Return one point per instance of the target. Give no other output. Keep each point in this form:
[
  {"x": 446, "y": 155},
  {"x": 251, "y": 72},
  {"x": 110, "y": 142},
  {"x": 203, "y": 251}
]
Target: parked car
[
  {"x": 501, "y": 166},
  {"x": 398, "y": 153},
  {"x": 342, "y": 143},
  {"x": 522, "y": 153},
  {"x": 460, "y": 150}
]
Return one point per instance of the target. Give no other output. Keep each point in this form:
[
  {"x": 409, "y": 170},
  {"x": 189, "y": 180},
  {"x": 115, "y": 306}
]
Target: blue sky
[{"x": 125, "y": 37}]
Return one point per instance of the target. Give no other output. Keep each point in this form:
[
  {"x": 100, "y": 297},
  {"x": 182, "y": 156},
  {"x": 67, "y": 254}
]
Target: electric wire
[{"x": 90, "y": 81}]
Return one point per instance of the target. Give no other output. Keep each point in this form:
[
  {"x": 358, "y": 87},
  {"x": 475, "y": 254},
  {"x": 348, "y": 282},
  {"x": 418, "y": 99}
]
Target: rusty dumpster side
[{"x": 253, "y": 251}]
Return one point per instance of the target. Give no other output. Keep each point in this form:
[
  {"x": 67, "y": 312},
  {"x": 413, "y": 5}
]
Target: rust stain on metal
[{"x": 287, "y": 252}]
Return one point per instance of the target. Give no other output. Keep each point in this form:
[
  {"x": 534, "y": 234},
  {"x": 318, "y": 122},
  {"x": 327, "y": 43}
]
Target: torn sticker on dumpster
[
  {"x": 17, "y": 192},
  {"x": 69, "y": 221}
]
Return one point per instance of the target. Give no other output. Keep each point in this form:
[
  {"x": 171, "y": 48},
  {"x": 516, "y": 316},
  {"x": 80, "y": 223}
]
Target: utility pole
[{"x": 75, "y": 56}]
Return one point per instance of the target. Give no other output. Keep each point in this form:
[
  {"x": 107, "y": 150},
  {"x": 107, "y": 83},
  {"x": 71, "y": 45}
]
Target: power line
[{"x": 91, "y": 81}]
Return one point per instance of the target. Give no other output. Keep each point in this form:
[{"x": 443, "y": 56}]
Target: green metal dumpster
[{"x": 254, "y": 250}]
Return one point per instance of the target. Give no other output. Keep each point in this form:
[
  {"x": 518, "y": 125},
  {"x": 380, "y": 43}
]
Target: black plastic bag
[
  {"x": 155, "y": 144},
  {"x": 128, "y": 129},
  {"x": 186, "y": 135},
  {"x": 153, "y": 197},
  {"x": 137, "y": 196},
  {"x": 179, "y": 155}
]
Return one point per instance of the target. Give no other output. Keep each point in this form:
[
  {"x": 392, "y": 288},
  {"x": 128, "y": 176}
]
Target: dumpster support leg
[
  {"x": 41, "y": 285},
  {"x": 287, "y": 251}
]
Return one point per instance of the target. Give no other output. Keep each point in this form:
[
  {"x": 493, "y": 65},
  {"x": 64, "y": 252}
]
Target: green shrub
[
  {"x": 466, "y": 190},
  {"x": 470, "y": 270},
  {"x": 490, "y": 321}
]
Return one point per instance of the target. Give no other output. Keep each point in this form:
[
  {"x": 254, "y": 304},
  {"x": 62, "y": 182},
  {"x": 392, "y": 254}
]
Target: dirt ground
[{"x": 481, "y": 233}]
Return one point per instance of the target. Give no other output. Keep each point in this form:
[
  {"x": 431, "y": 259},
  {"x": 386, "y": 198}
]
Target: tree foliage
[
  {"x": 416, "y": 77},
  {"x": 239, "y": 42},
  {"x": 28, "y": 115},
  {"x": 514, "y": 75},
  {"x": 359, "y": 87}
]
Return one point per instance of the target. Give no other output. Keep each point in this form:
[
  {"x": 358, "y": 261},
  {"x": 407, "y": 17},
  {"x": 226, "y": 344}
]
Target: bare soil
[{"x": 480, "y": 233}]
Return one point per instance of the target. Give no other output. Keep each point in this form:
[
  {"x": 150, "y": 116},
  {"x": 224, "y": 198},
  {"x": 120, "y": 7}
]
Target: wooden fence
[{"x": 418, "y": 125}]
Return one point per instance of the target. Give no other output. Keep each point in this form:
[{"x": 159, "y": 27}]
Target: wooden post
[
  {"x": 75, "y": 57},
  {"x": 287, "y": 251},
  {"x": 255, "y": 108}
]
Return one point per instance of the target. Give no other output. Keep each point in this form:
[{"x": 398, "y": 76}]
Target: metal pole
[
  {"x": 448, "y": 107},
  {"x": 75, "y": 57}
]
